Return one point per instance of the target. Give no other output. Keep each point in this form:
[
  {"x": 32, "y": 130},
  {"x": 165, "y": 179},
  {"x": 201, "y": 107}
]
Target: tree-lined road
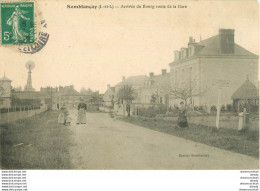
[{"x": 107, "y": 143}]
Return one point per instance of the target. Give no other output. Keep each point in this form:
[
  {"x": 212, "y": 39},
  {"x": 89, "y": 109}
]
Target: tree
[
  {"x": 126, "y": 93},
  {"x": 187, "y": 90},
  {"x": 85, "y": 91},
  {"x": 94, "y": 97}
]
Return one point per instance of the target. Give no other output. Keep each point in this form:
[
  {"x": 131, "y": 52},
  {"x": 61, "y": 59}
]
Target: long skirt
[
  {"x": 61, "y": 118},
  {"x": 82, "y": 117},
  {"x": 182, "y": 121}
]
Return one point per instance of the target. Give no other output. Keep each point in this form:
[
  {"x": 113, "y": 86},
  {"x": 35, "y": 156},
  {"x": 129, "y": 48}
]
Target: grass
[
  {"x": 38, "y": 142},
  {"x": 246, "y": 142}
]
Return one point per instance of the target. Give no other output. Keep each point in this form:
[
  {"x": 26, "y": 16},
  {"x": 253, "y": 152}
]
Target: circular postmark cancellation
[
  {"x": 21, "y": 27},
  {"x": 40, "y": 41}
]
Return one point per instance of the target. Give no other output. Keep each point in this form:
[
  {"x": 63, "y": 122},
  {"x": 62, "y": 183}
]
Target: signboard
[{"x": 220, "y": 84}]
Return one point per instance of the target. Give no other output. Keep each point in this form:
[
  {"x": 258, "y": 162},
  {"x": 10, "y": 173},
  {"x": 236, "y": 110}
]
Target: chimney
[
  {"x": 151, "y": 74},
  {"x": 177, "y": 55},
  {"x": 123, "y": 78},
  {"x": 191, "y": 39},
  {"x": 226, "y": 40},
  {"x": 164, "y": 71},
  {"x": 108, "y": 86}
]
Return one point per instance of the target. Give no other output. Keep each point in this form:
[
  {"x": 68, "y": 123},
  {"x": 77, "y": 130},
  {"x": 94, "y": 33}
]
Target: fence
[{"x": 13, "y": 114}]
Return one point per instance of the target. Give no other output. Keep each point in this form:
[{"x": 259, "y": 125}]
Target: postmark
[
  {"x": 17, "y": 23},
  {"x": 41, "y": 40}
]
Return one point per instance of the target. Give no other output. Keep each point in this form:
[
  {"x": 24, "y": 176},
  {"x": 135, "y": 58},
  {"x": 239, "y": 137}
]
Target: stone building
[
  {"x": 5, "y": 92},
  {"x": 109, "y": 96},
  {"x": 155, "y": 89},
  {"x": 67, "y": 96},
  {"x": 137, "y": 82},
  {"x": 211, "y": 64}
]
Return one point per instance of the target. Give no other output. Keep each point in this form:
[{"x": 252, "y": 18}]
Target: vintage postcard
[{"x": 129, "y": 85}]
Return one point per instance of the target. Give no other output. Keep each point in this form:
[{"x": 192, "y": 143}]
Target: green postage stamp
[{"x": 17, "y": 23}]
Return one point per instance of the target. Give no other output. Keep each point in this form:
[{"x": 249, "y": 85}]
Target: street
[{"x": 108, "y": 143}]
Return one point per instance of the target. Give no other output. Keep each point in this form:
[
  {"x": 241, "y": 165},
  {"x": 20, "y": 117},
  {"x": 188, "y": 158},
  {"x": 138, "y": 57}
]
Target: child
[{"x": 68, "y": 120}]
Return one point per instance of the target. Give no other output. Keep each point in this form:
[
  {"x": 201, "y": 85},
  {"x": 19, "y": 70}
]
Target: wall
[
  {"x": 13, "y": 116},
  {"x": 205, "y": 70},
  {"x": 235, "y": 71}
]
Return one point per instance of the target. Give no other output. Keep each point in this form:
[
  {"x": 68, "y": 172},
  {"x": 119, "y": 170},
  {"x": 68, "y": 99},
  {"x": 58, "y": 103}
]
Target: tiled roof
[
  {"x": 133, "y": 81},
  {"x": 162, "y": 80},
  {"x": 211, "y": 46},
  {"x": 246, "y": 91}
]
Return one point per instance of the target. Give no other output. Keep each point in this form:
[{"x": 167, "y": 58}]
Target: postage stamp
[{"x": 17, "y": 23}]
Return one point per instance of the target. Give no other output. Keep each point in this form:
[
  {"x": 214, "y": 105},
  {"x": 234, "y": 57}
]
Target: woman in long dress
[
  {"x": 14, "y": 21},
  {"x": 182, "y": 119},
  {"x": 82, "y": 119}
]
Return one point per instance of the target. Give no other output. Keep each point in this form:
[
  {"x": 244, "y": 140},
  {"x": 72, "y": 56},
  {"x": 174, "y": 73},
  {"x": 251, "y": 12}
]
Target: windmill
[{"x": 30, "y": 66}]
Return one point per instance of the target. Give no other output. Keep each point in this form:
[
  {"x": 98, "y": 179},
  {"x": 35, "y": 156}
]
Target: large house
[{"x": 213, "y": 68}]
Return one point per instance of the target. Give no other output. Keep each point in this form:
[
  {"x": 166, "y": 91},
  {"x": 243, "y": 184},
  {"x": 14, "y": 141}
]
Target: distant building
[
  {"x": 5, "y": 92},
  {"x": 149, "y": 90},
  {"x": 217, "y": 58},
  {"x": 156, "y": 89},
  {"x": 69, "y": 97},
  {"x": 136, "y": 82},
  {"x": 109, "y": 96}
]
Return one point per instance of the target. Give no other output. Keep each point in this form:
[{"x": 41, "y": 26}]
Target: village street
[{"x": 108, "y": 143}]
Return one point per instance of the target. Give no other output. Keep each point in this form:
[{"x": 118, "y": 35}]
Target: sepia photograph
[{"x": 129, "y": 85}]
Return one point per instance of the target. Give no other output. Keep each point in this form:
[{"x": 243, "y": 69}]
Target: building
[
  {"x": 206, "y": 66},
  {"x": 246, "y": 96},
  {"x": 109, "y": 96},
  {"x": 155, "y": 89},
  {"x": 136, "y": 82},
  {"x": 5, "y": 92}
]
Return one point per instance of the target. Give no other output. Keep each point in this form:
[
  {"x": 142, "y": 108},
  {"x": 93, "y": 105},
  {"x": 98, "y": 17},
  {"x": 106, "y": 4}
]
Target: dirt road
[{"x": 107, "y": 143}]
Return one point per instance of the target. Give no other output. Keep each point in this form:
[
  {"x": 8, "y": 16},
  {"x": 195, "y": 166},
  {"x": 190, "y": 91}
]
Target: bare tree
[{"x": 187, "y": 90}]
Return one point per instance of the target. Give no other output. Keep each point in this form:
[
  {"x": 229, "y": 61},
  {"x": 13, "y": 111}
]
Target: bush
[
  {"x": 223, "y": 108},
  {"x": 229, "y": 107},
  {"x": 213, "y": 109},
  {"x": 152, "y": 111}
]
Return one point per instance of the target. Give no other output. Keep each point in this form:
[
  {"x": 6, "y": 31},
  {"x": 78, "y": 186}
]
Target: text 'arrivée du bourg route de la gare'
[{"x": 126, "y": 6}]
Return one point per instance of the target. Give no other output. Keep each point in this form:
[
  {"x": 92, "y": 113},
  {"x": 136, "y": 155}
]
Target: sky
[{"x": 93, "y": 48}]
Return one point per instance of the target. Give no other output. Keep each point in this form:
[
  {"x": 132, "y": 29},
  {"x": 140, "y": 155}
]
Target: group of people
[{"x": 65, "y": 118}]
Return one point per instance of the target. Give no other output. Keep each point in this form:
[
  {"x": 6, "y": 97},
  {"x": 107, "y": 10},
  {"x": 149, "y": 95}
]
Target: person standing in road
[{"x": 82, "y": 119}]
